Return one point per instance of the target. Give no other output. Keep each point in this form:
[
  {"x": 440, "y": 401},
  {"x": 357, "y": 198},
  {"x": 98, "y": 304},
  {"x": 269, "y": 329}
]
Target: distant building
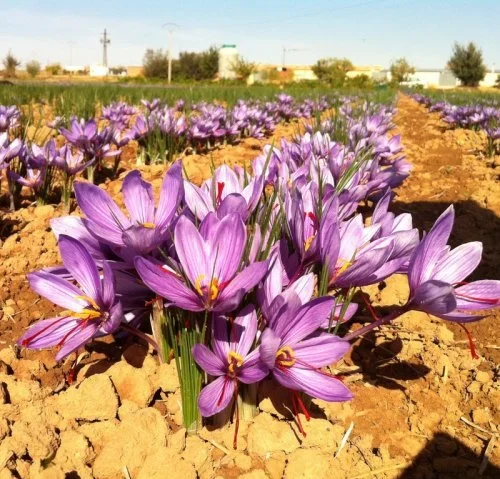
[
  {"x": 135, "y": 71},
  {"x": 228, "y": 56},
  {"x": 98, "y": 71}
]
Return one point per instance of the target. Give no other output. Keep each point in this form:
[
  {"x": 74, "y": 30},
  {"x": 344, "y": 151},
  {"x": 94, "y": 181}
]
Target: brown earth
[{"x": 413, "y": 382}]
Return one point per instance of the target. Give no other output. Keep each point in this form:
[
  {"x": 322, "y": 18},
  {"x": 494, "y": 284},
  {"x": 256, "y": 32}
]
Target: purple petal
[
  {"x": 82, "y": 267},
  {"x": 459, "y": 263},
  {"x": 430, "y": 249},
  {"x": 307, "y": 320},
  {"x": 253, "y": 369},
  {"x": 208, "y": 361},
  {"x": 191, "y": 250},
  {"x": 315, "y": 383},
  {"x": 233, "y": 293},
  {"x": 172, "y": 191},
  {"x": 57, "y": 290},
  {"x": 138, "y": 198},
  {"x": 269, "y": 345},
  {"x": 434, "y": 297},
  {"x": 102, "y": 212},
  {"x": 478, "y": 295},
  {"x": 81, "y": 335},
  {"x": 244, "y": 329},
  {"x": 216, "y": 396},
  {"x": 197, "y": 200},
  {"x": 166, "y": 284},
  {"x": 320, "y": 351},
  {"x": 108, "y": 284},
  {"x": 47, "y": 333},
  {"x": 227, "y": 248}
]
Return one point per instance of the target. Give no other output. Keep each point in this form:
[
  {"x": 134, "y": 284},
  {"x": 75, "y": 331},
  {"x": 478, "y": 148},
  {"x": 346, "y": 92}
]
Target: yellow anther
[
  {"x": 286, "y": 356},
  {"x": 235, "y": 360},
  {"x": 344, "y": 265},
  {"x": 308, "y": 242},
  {"x": 197, "y": 284},
  {"x": 86, "y": 314},
  {"x": 213, "y": 287},
  {"x": 89, "y": 300},
  {"x": 150, "y": 226}
]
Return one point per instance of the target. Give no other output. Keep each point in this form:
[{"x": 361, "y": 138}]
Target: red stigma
[{"x": 220, "y": 189}]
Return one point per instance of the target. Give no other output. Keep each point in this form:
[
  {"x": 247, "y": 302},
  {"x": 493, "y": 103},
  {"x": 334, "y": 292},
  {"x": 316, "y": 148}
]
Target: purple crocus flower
[
  {"x": 147, "y": 227},
  {"x": 436, "y": 276},
  {"x": 230, "y": 360},
  {"x": 295, "y": 353},
  {"x": 8, "y": 149},
  {"x": 210, "y": 260},
  {"x": 81, "y": 134},
  {"x": 91, "y": 308},
  {"x": 224, "y": 192}
]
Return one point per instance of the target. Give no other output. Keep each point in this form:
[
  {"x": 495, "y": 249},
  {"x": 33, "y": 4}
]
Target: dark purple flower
[{"x": 230, "y": 360}]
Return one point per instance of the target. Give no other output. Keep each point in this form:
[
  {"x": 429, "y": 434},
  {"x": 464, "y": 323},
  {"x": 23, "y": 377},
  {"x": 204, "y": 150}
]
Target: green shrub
[{"x": 467, "y": 64}]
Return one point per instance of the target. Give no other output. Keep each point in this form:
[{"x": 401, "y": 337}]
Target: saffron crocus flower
[
  {"x": 222, "y": 191},
  {"x": 81, "y": 134},
  {"x": 350, "y": 258},
  {"x": 147, "y": 227},
  {"x": 436, "y": 275},
  {"x": 209, "y": 260},
  {"x": 230, "y": 360},
  {"x": 90, "y": 309},
  {"x": 295, "y": 353}
]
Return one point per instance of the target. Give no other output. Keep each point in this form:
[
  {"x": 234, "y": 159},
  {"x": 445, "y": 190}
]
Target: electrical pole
[
  {"x": 170, "y": 29},
  {"x": 105, "y": 42}
]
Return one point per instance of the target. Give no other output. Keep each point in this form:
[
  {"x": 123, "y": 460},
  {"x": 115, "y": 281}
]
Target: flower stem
[{"x": 376, "y": 324}]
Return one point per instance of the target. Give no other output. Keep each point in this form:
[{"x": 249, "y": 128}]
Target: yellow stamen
[
  {"x": 308, "y": 242},
  {"x": 197, "y": 284},
  {"x": 151, "y": 226},
  {"x": 344, "y": 265},
  {"x": 286, "y": 356},
  {"x": 86, "y": 314},
  {"x": 89, "y": 300},
  {"x": 213, "y": 287},
  {"x": 234, "y": 359}
]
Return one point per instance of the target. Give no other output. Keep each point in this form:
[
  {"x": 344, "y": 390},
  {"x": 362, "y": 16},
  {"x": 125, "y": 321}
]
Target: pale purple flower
[
  {"x": 436, "y": 275},
  {"x": 295, "y": 352},
  {"x": 210, "y": 261},
  {"x": 90, "y": 309}
]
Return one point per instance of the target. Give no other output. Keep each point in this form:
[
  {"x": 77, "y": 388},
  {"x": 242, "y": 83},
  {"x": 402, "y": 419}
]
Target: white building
[{"x": 98, "y": 71}]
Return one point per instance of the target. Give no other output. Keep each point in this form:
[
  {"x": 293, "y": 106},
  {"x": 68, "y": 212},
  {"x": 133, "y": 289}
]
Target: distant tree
[
  {"x": 10, "y": 63},
  {"x": 401, "y": 70},
  {"x": 33, "y": 68},
  {"x": 467, "y": 64},
  {"x": 333, "y": 70},
  {"x": 362, "y": 81},
  {"x": 497, "y": 82},
  {"x": 155, "y": 63},
  {"x": 197, "y": 66},
  {"x": 54, "y": 68},
  {"x": 242, "y": 68}
]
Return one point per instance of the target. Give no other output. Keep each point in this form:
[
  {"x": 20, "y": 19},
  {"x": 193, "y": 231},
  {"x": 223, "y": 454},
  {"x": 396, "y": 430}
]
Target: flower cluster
[
  {"x": 253, "y": 273},
  {"x": 480, "y": 117}
]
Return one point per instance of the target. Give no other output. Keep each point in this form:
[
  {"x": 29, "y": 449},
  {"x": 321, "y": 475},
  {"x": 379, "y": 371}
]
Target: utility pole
[
  {"x": 105, "y": 42},
  {"x": 170, "y": 29}
]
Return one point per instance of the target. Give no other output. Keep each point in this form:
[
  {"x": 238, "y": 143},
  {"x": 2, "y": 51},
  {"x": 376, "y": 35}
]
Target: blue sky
[{"x": 369, "y": 32}]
